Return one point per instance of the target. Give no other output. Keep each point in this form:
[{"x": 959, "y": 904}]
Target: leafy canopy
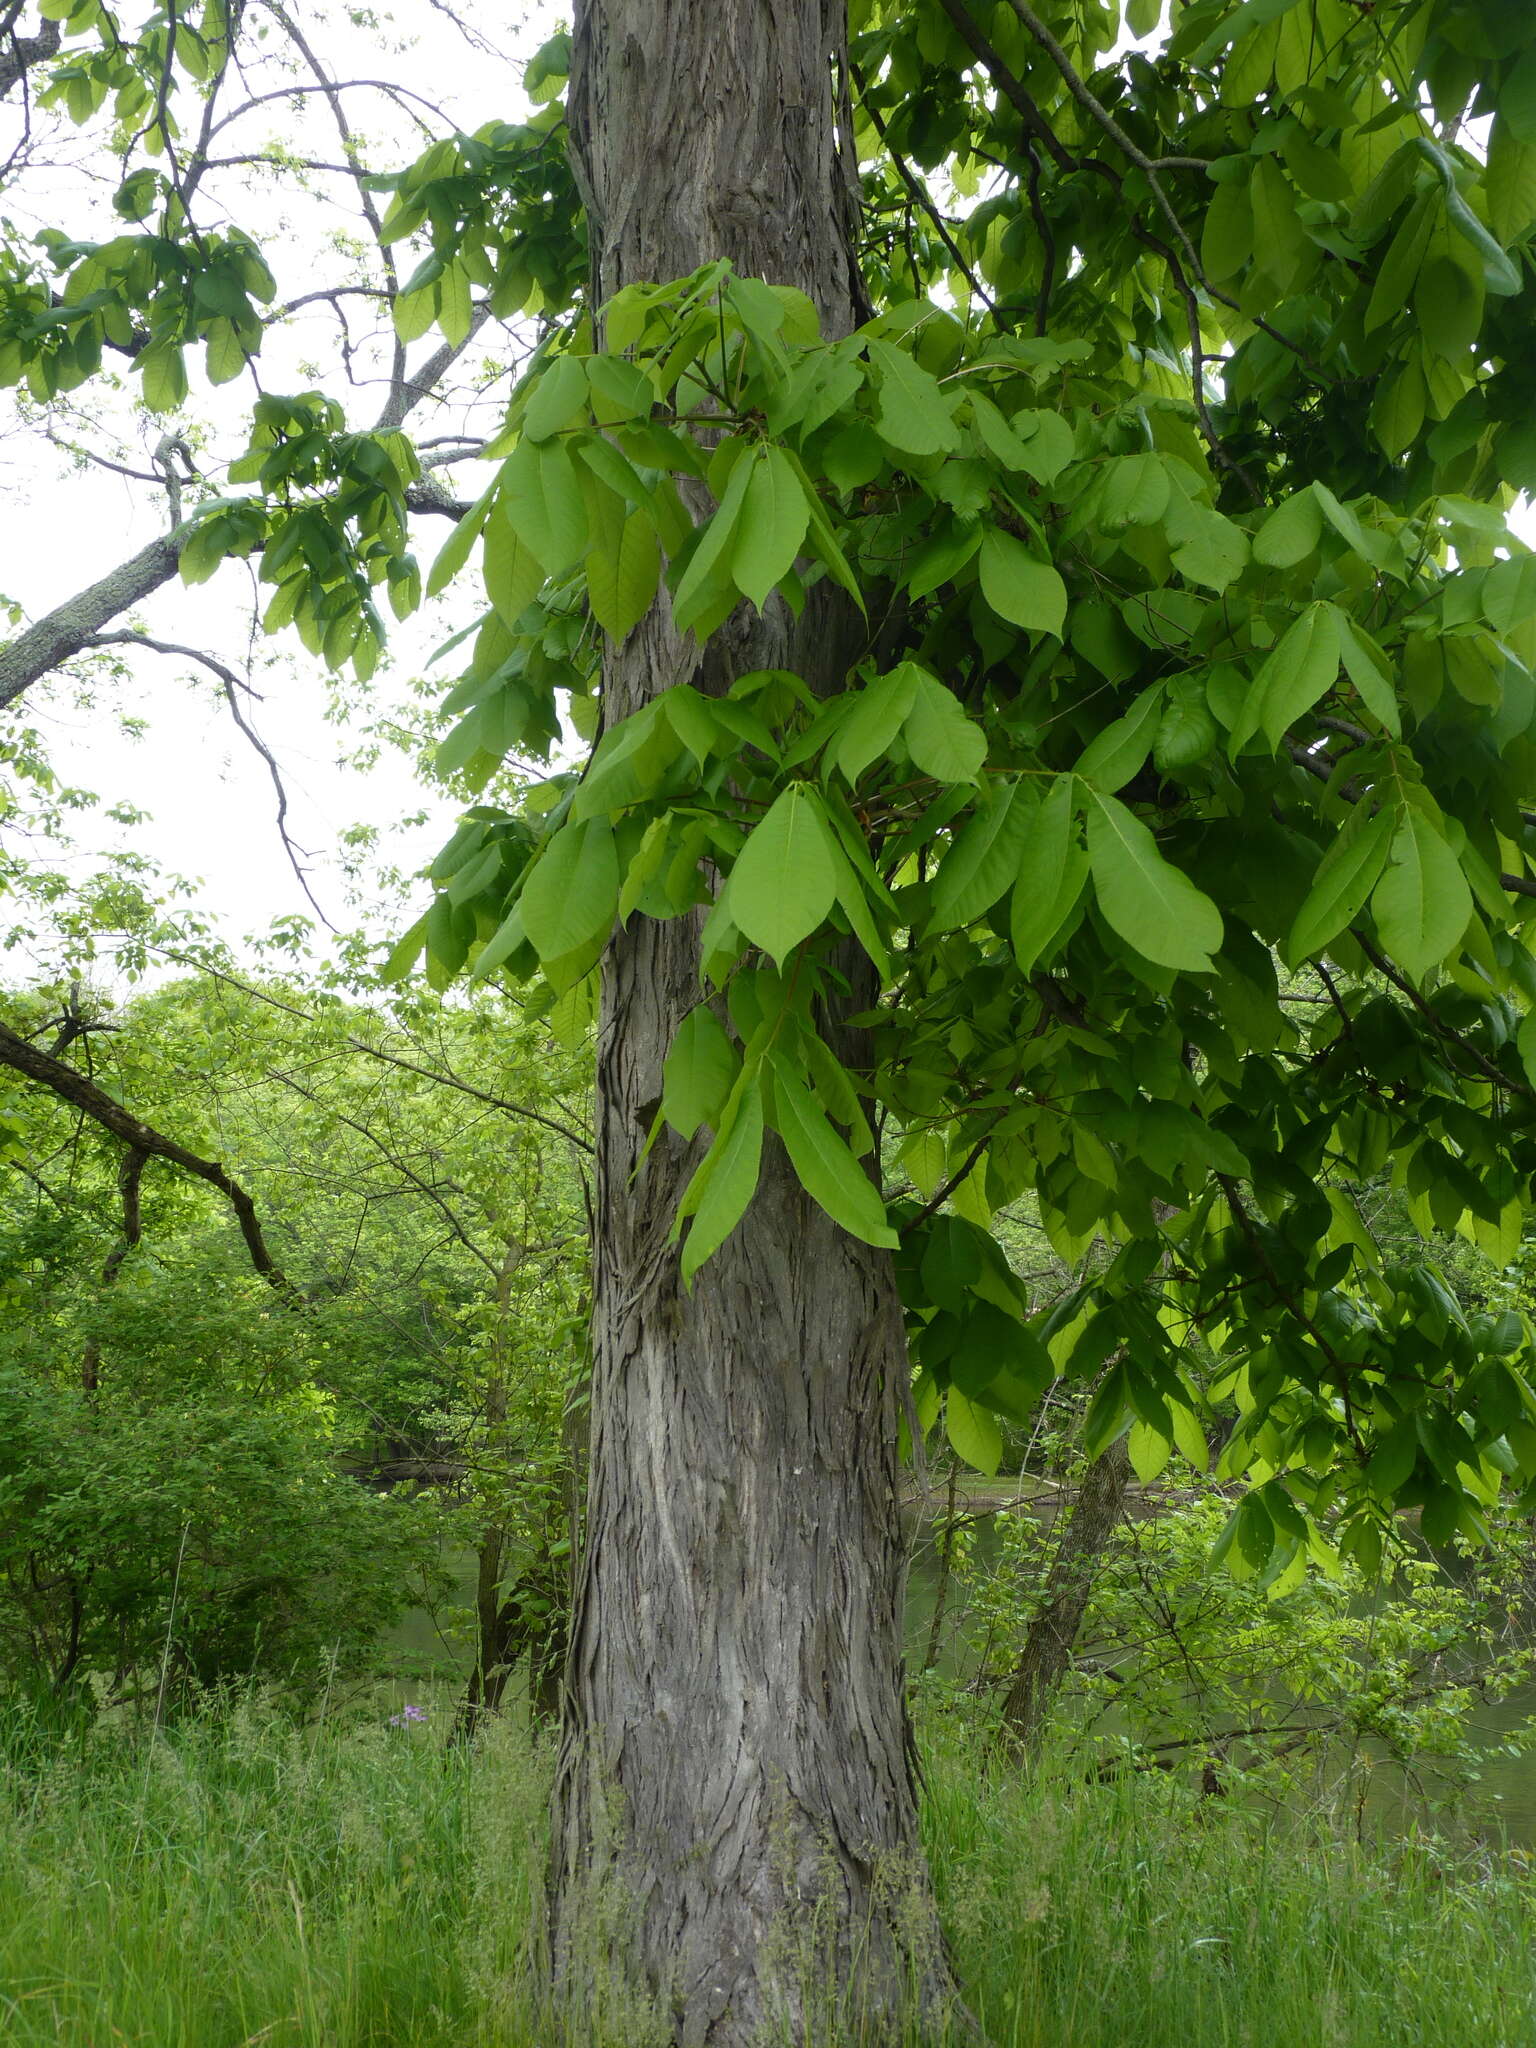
[{"x": 1179, "y": 796}]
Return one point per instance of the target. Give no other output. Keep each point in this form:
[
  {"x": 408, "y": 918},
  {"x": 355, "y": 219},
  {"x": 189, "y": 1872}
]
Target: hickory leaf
[
  {"x": 824, "y": 1164},
  {"x": 1153, "y": 905},
  {"x": 1422, "y": 902},
  {"x": 786, "y": 876}
]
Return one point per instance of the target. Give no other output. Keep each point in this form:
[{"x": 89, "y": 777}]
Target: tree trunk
[
  {"x": 736, "y": 1761},
  {"x": 1052, "y": 1634}
]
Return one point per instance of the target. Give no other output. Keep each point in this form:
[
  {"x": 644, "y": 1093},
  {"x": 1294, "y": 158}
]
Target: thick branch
[
  {"x": 67, "y": 629},
  {"x": 19, "y": 53},
  {"x": 71, "y": 1086}
]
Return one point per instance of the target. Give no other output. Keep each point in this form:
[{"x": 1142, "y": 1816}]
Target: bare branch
[{"x": 232, "y": 686}]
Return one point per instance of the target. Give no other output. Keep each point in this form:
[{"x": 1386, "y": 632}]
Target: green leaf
[
  {"x": 541, "y": 497},
  {"x": 699, "y": 1072},
  {"x": 984, "y": 860},
  {"x": 455, "y": 551},
  {"x": 405, "y": 953},
  {"x": 1366, "y": 668},
  {"x": 1226, "y": 242},
  {"x": 853, "y": 458},
  {"x": 227, "y": 354},
  {"x": 1400, "y": 266},
  {"x": 1209, "y": 549},
  {"x": 877, "y": 717},
  {"x": 915, "y": 416},
  {"x": 1448, "y": 303},
  {"x": 1300, "y": 670},
  {"x": 824, "y": 1165},
  {"x": 1151, "y": 904},
  {"x": 941, "y": 739},
  {"x": 1107, "y": 1412},
  {"x": 1135, "y": 492},
  {"x": 1517, "y": 98},
  {"x": 974, "y": 1433},
  {"x": 1290, "y": 533},
  {"x": 824, "y": 540},
  {"x": 621, "y": 391},
  {"x": 1052, "y": 869},
  {"x": 622, "y": 580},
  {"x": 1186, "y": 732},
  {"x": 726, "y": 1178},
  {"x": 572, "y": 892},
  {"x": 785, "y": 879},
  {"x": 1049, "y": 444},
  {"x": 997, "y": 436},
  {"x": 774, "y": 517},
  {"x": 559, "y": 396},
  {"x": 513, "y": 577},
  {"x": 1422, "y": 904},
  {"x": 1150, "y": 1451},
  {"x": 708, "y": 567},
  {"x": 1398, "y": 411},
  {"x": 1024, "y": 591},
  {"x": 1344, "y": 879},
  {"x": 1121, "y": 749},
  {"x": 165, "y": 377},
  {"x": 1510, "y": 183},
  {"x": 1525, "y": 1041}
]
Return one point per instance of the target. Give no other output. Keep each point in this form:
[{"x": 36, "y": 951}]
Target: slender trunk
[
  {"x": 946, "y": 1553},
  {"x": 1053, "y": 1633},
  {"x": 735, "y": 1763}
]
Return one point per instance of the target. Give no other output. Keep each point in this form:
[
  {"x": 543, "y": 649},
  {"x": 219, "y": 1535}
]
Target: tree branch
[
  {"x": 232, "y": 685},
  {"x": 75, "y": 1088},
  {"x": 62, "y": 634}
]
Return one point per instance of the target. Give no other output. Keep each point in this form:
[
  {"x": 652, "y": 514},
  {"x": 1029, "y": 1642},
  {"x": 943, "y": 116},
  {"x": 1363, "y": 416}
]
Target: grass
[{"x": 242, "y": 1880}]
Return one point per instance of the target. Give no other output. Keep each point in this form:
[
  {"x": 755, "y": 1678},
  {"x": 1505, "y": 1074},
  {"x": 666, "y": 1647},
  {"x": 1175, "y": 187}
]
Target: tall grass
[{"x": 240, "y": 1880}]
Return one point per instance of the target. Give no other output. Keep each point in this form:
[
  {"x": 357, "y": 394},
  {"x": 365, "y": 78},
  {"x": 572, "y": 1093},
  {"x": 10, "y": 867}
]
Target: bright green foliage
[
  {"x": 190, "y": 1455},
  {"x": 1196, "y": 677},
  {"x": 1180, "y": 796}
]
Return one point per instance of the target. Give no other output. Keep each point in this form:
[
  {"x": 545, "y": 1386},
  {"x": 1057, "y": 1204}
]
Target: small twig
[
  {"x": 921, "y": 194},
  {"x": 232, "y": 686}
]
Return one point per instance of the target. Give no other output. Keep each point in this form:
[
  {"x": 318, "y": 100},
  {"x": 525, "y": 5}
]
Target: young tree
[{"x": 1063, "y": 673}]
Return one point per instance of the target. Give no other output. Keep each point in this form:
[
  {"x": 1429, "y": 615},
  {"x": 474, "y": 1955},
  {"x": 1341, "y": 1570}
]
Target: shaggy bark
[
  {"x": 1053, "y": 1633},
  {"x": 735, "y": 1761}
]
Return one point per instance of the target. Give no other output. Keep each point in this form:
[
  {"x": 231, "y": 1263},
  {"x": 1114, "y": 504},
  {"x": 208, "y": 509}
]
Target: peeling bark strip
[
  {"x": 71, "y": 1086},
  {"x": 735, "y": 1762}
]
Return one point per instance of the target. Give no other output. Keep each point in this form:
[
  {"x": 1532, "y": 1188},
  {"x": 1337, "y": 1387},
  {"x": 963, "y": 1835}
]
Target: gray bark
[
  {"x": 1052, "y": 1637},
  {"x": 735, "y": 1764},
  {"x": 64, "y": 632},
  {"x": 18, "y": 54}
]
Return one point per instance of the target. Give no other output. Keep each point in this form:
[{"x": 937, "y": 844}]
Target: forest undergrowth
[{"x": 244, "y": 1878}]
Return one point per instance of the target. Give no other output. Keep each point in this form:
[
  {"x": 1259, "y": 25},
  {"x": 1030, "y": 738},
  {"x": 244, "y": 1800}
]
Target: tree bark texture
[
  {"x": 736, "y": 1761},
  {"x": 1053, "y": 1633}
]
